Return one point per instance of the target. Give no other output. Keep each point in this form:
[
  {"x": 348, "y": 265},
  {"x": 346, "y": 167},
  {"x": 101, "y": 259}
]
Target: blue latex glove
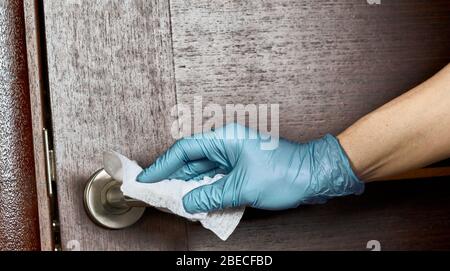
[{"x": 290, "y": 175}]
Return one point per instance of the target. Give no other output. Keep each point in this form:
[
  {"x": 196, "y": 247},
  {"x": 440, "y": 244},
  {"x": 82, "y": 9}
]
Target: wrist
[
  {"x": 333, "y": 175},
  {"x": 353, "y": 185}
]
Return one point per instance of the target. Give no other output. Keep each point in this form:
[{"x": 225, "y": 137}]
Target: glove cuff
[
  {"x": 351, "y": 183},
  {"x": 337, "y": 177}
]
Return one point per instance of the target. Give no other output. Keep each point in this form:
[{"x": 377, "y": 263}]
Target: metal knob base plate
[{"x": 96, "y": 202}]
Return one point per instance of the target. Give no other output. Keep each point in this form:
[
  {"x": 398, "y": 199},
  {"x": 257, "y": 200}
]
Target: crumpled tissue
[{"x": 167, "y": 195}]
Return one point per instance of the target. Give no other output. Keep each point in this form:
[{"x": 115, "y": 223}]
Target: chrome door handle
[{"x": 106, "y": 205}]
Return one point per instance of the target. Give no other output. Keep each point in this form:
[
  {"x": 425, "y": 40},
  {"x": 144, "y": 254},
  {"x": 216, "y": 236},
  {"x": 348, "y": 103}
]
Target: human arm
[{"x": 409, "y": 132}]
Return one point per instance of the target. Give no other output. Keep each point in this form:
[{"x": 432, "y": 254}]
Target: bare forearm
[{"x": 409, "y": 132}]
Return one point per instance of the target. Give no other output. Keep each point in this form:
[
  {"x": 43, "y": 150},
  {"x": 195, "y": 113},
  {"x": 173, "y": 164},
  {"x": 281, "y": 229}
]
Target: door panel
[
  {"x": 112, "y": 86},
  {"x": 326, "y": 63}
]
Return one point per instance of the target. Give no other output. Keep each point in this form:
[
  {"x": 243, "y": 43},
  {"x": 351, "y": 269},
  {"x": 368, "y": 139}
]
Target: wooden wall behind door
[{"x": 326, "y": 63}]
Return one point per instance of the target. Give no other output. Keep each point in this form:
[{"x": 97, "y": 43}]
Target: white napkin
[{"x": 167, "y": 195}]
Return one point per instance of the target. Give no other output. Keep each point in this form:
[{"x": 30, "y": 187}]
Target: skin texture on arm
[{"x": 409, "y": 132}]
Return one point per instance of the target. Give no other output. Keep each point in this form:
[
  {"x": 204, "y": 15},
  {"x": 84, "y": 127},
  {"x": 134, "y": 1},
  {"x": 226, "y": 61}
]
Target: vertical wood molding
[
  {"x": 19, "y": 227},
  {"x": 32, "y": 27}
]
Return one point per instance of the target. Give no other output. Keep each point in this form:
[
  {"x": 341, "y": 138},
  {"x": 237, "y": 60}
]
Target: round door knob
[{"x": 106, "y": 205}]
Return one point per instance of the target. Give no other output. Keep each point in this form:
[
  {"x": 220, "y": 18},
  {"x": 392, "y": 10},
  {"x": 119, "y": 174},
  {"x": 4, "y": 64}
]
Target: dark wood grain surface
[
  {"x": 111, "y": 85},
  {"x": 326, "y": 63},
  {"x": 401, "y": 215}
]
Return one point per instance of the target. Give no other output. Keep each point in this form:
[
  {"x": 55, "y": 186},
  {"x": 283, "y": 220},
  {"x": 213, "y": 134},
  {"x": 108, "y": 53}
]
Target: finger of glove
[
  {"x": 177, "y": 156},
  {"x": 209, "y": 197},
  {"x": 193, "y": 169}
]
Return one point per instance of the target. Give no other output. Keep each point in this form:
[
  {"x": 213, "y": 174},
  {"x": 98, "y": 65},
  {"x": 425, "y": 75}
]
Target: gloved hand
[{"x": 285, "y": 177}]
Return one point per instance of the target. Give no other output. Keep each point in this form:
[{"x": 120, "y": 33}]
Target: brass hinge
[{"x": 50, "y": 173}]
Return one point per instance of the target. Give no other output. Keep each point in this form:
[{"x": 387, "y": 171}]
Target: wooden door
[{"x": 117, "y": 67}]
